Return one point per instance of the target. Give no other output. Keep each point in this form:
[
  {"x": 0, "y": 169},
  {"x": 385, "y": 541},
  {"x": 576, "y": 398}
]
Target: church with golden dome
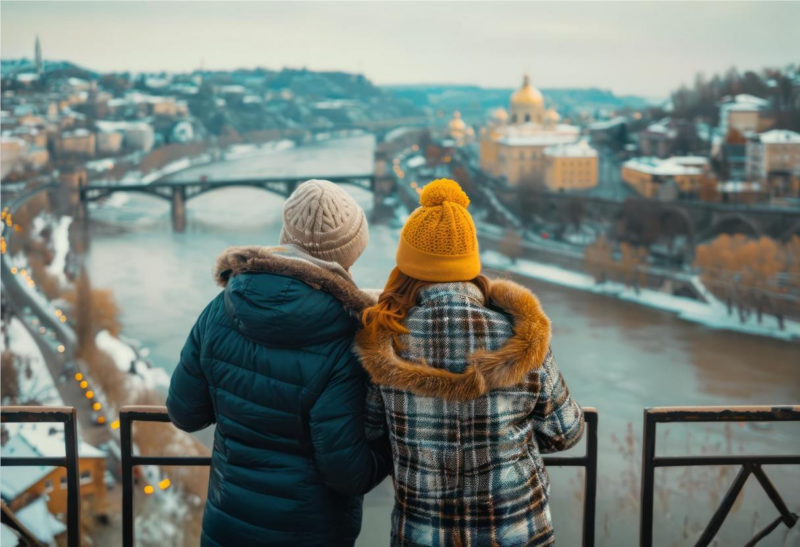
[{"x": 530, "y": 147}]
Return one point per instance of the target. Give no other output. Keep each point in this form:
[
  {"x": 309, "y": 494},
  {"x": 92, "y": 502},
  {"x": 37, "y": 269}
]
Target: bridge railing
[
  {"x": 749, "y": 464},
  {"x": 52, "y": 414}
]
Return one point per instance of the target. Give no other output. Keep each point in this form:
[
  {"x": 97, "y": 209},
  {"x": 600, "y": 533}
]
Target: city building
[
  {"x": 666, "y": 178},
  {"x": 11, "y": 149},
  {"x": 20, "y": 154},
  {"x": 109, "y": 142},
  {"x": 657, "y": 139},
  {"x": 27, "y": 484},
  {"x": 773, "y": 158},
  {"x": 138, "y": 136},
  {"x": 570, "y": 167},
  {"x": 80, "y": 142},
  {"x": 513, "y": 145},
  {"x": 745, "y": 113},
  {"x": 458, "y": 130}
]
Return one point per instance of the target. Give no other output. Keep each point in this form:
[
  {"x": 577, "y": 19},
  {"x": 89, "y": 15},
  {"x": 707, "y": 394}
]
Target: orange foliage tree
[
  {"x": 598, "y": 259},
  {"x": 753, "y": 275}
]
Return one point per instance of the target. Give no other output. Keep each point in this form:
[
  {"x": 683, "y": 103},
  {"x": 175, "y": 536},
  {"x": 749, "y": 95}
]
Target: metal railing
[
  {"x": 589, "y": 462},
  {"x": 127, "y": 416},
  {"x": 750, "y": 464},
  {"x": 130, "y": 414},
  {"x": 67, "y": 416}
]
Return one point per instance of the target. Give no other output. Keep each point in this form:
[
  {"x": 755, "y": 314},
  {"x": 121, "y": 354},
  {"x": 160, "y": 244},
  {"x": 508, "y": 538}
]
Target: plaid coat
[{"x": 469, "y": 401}]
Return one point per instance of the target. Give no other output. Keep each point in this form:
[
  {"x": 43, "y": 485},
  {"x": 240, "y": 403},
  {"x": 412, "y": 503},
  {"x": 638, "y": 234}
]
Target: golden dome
[
  {"x": 552, "y": 115},
  {"x": 527, "y": 94},
  {"x": 457, "y": 123},
  {"x": 500, "y": 115}
]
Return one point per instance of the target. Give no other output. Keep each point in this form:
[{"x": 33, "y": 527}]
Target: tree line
[{"x": 700, "y": 101}]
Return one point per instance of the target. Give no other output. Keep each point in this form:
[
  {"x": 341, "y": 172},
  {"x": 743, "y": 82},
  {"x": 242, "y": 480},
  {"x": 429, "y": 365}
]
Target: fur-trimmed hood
[
  {"x": 291, "y": 261},
  {"x": 526, "y": 350}
]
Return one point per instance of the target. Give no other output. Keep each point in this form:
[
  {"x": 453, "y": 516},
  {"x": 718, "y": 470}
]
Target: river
[{"x": 615, "y": 356}]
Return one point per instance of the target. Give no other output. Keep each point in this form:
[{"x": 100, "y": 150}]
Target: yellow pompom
[{"x": 441, "y": 190}]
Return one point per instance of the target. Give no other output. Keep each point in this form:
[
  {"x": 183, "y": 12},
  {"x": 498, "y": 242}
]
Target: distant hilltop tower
[{"x": 38, "y": 54}]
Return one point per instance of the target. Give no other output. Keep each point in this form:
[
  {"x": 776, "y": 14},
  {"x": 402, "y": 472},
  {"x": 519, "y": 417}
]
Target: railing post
[
  {"x": 126, "y": 446},
  {"x": 590, "y": 487},
  {"x": 69, "y": 461},
  {"x": 73, "y": 480},
  {"x": 648, "y": 480}
]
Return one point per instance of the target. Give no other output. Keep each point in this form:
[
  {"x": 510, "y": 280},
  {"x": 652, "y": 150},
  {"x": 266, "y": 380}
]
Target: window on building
[
  {"x": 48, "y": 486},
  {"x": 527, "y": 117},
  {"x": 63, "y": 483},
  {"x": 86, "y": 476}
]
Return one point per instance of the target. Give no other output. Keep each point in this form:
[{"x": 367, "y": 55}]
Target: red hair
[{"x": 398, "y": 297}]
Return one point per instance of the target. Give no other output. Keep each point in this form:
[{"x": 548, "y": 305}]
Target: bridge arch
[
  {"x": 736, "y": 223},
  {"x": 794, "y": 230},
  {"x": 95, "y": 194},
  {"x": 673, "y": 222}
]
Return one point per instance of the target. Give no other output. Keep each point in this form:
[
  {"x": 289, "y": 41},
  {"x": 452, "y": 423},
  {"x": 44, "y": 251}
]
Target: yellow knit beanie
[{"x": 439, "y": 242}]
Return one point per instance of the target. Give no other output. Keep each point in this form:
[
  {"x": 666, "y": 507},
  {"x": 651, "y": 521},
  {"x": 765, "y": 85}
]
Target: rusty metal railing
[
  {"x": 130, "y": 414},
  {"x": 53, "y": 414},
  {"x": 127, "y": 416},
  {"x": 749, "y": 464}
]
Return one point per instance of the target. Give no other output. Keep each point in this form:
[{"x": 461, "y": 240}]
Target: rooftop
[
  {"x": 33, "y": 440},
  {"x": 778, "y": 136},
  {"x": 669, "y": 167},
  {"x": 578, "y": 150}
]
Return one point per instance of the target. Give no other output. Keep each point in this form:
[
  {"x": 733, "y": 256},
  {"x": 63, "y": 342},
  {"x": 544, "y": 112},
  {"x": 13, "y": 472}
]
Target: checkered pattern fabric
[{"x": 470, "y": 473}]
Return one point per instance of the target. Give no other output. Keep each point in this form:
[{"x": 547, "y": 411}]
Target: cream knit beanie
[{"x": 326, "y": 222}]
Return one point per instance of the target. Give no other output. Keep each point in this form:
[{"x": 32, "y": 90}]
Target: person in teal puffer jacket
[{"x": 270, "y": 361}]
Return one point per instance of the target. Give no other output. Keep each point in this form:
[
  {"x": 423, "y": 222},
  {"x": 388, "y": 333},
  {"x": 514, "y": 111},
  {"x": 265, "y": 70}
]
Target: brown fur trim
[
  {"x": 526, "y": 350},
  {"x": 252, "y": 259}
]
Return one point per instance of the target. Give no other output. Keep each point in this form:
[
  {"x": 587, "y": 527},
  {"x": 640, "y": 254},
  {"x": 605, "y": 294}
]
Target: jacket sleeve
[
  {"x": 347, "y": 461},
  {"x": 557, "y": 419},
  {"x": 189, "y": 400},
  {"x": 376, "y": 414}
]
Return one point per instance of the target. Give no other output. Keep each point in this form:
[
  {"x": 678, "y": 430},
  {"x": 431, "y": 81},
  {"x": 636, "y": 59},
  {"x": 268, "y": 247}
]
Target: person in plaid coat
[{"x": 467, "y": 390}]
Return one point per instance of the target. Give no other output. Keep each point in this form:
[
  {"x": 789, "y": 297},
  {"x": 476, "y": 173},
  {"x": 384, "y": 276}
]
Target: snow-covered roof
[
  {"x": 15, "y": 483},
  {"x": 654, "y": 166},
  {"x": 8, "y": 537},
  {"x": 608, "y": 124},
  {"x": 735, "y": 186},
  {"x": 416, "y": 161},
  {"x": 27, "y": 77},
  {"x": 779, "y": 136},
  {"x": 577, "y": 150},
  {"x": 532, "y": 134},
  {"x": 232, "y": 89},
  {"x": 690, "y": 161},
  {"x": 42, "y": 524},
  {"x": 32, "y": 440},
  {"x": 118, "y": 127},
  {"x": 744, "y": 98}
]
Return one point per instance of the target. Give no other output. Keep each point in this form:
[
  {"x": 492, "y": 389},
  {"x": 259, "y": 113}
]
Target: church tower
[
  {"x": 527, "y": 104},
  {"x": 38, "y": 55}
]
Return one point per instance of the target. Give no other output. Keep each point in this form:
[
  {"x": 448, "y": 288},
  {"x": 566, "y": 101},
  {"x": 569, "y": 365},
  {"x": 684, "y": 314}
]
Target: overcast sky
[{"x": 642, "y": 48}]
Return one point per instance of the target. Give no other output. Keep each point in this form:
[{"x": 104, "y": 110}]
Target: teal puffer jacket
[{"x": 270, "y": 361}]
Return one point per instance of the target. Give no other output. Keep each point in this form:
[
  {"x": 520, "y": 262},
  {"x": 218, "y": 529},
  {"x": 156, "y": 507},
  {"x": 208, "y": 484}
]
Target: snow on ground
[
  {"x": 39, "y": 383},
  {"x": 60, "y": 240},
  {"x": 124, "y": 355},
  {"x": 239, "y": 151},
  {"x": 713, "y": 314}
]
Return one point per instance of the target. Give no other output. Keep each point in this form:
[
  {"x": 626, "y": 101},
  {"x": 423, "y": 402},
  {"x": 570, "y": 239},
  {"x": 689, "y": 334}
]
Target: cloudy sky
[{"x": 641, "y": 48}]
